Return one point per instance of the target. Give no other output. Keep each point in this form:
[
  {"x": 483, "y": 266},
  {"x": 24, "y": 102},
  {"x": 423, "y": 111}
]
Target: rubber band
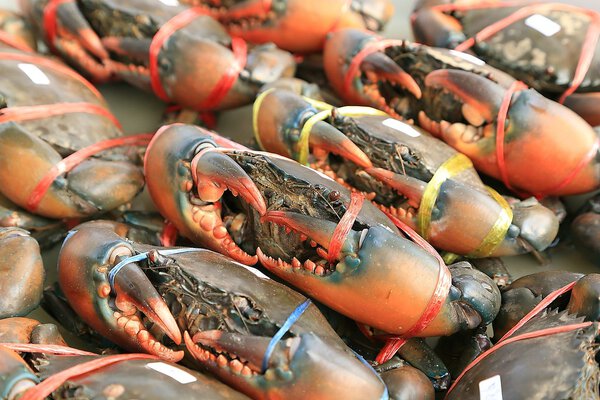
[
  {"x": 71, "y": 161},
  {"x": 52, "y": 64},
  {"x": 143, "y": 256},
  {"x": 344, "y": 226},
  {"x": 433, "y": 307},
  {"x": 227, "y": 80},
  {"x": 55, "y": 349},
  {"x": 27, "y": 113},
  {"x": 385, "y": 395},
  {"x": 291, "y": 320},
  {"x": 506, "y": 339},
  {"x": 588, "y": 47},
  {"x": 302, "y": 145},
  {"x": 50, "y": 384},
  {"x": 49, "y": 21},
  {"x": 452, "y": 167},
  {"x": 12, "y": 41},
  {"x": 500, "y": 150},
  {"x": 255, "y": 110}
]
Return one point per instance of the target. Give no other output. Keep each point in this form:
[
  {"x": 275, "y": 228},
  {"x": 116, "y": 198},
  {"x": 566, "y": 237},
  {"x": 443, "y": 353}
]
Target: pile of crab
[{"x": 349, "y": 244}]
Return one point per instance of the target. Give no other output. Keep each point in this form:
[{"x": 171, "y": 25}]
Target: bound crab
[
  {"x": 49, "y": 115},
  {"x": 180, "y": 53},
  {"x": 299, "y": 26},
  {"x": 220, "y": 314},
  {"x": 550, "y": 45},
  {"x": 400, "y": 167},
  {"x": 504, "y": 128},
  {"x": 287, "y": 216}
]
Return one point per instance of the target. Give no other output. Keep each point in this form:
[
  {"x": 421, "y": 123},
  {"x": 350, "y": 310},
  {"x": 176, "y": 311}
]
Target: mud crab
[
  {"x": 286, "y": 215},
  {"x": 459, "y": 99},
  {"x": 221, "y": 314},
  {"x": 551, "y": 46},
  {"x": 45, "y": 108},
  {"x": 182, "y": 54},
  {"x": 299, "y": 26},
  {"x": 396, "y": 164}
]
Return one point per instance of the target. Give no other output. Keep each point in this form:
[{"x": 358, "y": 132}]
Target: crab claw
[
  {"x": 536, "y": 131},
  {"x": 17, "y": 377},
  {"x": 172, "y": 186},
  {"x": 325, "y": 137},
  {"x": 215, "y": 172},
  {"x": 378, "y": 66},
  {"x": 281, "y": 113},
  {"x": 133, "y": 288},
  {"x": 128, "y": 315},
  {"x": 295, "y": 364},
  {"x": 375, "y": 263}
]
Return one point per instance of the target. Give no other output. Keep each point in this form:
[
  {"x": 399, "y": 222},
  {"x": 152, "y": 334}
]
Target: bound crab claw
[
  {"x": 460, "y": 103},
  {"x": 210, "y": 297},
  {"x": 299, "y": 25},
  {"x": 534, "y": 123},
  {"x": 369, "y": 258},
  {"x": 393, "y": 163},
  {"x": 188, "y": 192},
  {"x": 132, "y": 313},
  {"x": 294, "y": 364},
  {"x": 198, "y": 65}
]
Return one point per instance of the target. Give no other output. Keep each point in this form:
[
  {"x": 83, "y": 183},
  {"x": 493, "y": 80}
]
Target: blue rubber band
[
  {"x": 142, "y": 256},
  {"x": 385, "y": 395},
  {"x": 291, "y": 320}
]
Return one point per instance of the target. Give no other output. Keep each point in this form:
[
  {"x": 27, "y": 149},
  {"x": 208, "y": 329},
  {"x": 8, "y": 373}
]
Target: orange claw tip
[
  {"x": 326, "y": 137},
  {"x": 385, "y": 68}
]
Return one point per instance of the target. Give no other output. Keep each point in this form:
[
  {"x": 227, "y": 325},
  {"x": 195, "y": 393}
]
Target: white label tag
[
  {"x": 401, "y": 127},
  {"x": 543, "y": 25},
  {"x": 170, "y": 3},
  {"x": 36, "y": 75},
  {"x": 254, "y": 271},
  {"x": 179, "y": 375},
  {"x": 468, "y": 57},
  {"x": 490, "y": 389}
]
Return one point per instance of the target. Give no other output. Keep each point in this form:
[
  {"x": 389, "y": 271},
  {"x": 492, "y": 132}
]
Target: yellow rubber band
[
  {"x": 319, "y": 105},
  {"x": 498, "y": 231},
  {"x": 255, "y": 109},
  {"x": 451, "y": 167},
  {"x": 350, "y": 111}
]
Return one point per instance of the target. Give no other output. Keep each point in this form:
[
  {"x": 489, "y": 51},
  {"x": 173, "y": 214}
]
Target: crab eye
[
  {"x": 121, "y": 250},
  {"x": 363, "y": 235}
]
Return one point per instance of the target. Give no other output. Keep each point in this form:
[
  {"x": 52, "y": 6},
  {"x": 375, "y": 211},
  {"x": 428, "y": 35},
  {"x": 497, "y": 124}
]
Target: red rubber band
[
  {"x": 500, "y": 155},
  {"x": 506, "y": 339},
  {"x": 26, "y": 113},
  {"x": 45, "y": 388},
  {"x": 238, "y": 46},
  {"x": 55, "y": 349},
  {"x": 14, "y": 42},
  {"x": 588, "y": 48},
  {"x": 169, "y": 233},
  {"x": 344, "y": 226},
  {"x": 49, "y": 21},
  {"x": 50, "y": 63},
  {"x": 69, "y": 162},
  {"x": 435, "y": 304}
]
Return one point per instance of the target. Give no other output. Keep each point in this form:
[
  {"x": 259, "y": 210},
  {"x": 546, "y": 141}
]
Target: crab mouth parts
[
  {"x": 315, "y": 257},
  {"x": 221, "y": 358},
  {"x": 144, "y": 332}
]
